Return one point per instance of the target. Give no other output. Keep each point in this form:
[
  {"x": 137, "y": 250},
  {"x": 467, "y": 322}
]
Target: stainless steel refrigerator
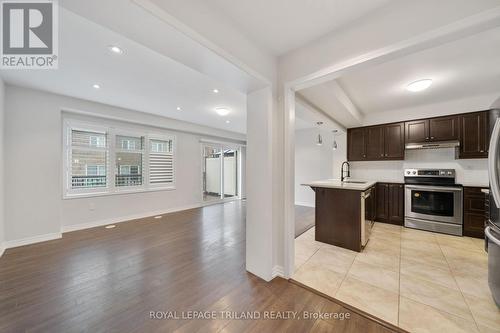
[{"x": 492, "y": 231}]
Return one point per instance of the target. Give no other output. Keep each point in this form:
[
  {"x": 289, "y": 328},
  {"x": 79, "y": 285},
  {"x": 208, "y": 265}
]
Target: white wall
[
  {"x": 2, "y": 161},
  {"x": 33, "y": 161},
  {"x": 473, "y": 172},
  {"x": 312, "y": 162}
]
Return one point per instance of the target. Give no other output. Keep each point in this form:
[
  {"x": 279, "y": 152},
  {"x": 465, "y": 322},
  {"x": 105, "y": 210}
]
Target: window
[
  {"x": 161, "y": 162},
  {"x": 88, "y": 158},
  {"x": 132, "y": 162},
  {"x": 129, "y": 157}
]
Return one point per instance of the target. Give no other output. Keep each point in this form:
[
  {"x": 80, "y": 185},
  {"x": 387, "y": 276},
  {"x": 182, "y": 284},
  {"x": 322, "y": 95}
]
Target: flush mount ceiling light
[
  {"x": 115, "y": 49},
  {"x": 222, "y": 111},
  {"x": 227, "y": 121},
  {"x": 179, "y": 108},
  {"x": 96, "y": 86},
  {"x": 111, "y": 226},
  {"x": 419, "y": 85},
  {"x": 215, "y": 91},
  {"x": 158, "y": 217}
]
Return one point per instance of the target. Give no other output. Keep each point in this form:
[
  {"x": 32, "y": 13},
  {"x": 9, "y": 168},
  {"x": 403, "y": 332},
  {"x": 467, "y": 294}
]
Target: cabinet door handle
[
  {"x": 432, "y": 138},
  {"x": 427, "y": 138},
  {"x": 481, "y": 151}
]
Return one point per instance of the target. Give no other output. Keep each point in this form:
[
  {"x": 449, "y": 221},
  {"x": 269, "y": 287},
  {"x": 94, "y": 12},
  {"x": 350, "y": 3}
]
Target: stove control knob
[
  {"x": 442, "y": 173},
  {"x": 407, "y": 172},
  {"x": 414, "y": 172},
  {"x": 450, "y": 173}
]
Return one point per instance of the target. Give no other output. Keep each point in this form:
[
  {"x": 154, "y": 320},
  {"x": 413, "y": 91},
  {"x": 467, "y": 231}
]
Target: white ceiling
[
  {"x": 306, "y": 117},
  {"x": 140, "y": 79},
  {"x": 282, "y": 25},
  {"x": 467, "y": 67},
  {"x": 464, "y": 68}
]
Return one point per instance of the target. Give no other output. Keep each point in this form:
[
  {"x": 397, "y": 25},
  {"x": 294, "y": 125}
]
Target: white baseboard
[
  {"x": 278, "y": 271},
  {"x": 306, "y": 204},
  {"x": 31, "y": 240},
  {"x": 94, "y": 224}
]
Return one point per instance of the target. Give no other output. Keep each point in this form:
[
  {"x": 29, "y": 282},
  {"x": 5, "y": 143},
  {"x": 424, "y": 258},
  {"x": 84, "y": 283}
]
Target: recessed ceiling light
[
  {"x": 216, "y": 91},
  {"x": 179, "y": 108},
  {"x": 158, "y": 217},
  {"x": 96, "y": 86},
  {"x": 222, "y": 111},
  {"x": 419, "y": 85},
  {"x": 227, "y": 121},
  {"x": 111, "y": 226},
  {"x": 115, "y": 49}
]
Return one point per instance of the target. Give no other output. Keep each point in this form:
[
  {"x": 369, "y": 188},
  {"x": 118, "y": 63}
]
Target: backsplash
[{"x": 468, "y": 172}]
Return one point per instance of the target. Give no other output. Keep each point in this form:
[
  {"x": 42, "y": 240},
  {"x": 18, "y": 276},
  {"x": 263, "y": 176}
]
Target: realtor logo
[{"x": 29, "y": 34}]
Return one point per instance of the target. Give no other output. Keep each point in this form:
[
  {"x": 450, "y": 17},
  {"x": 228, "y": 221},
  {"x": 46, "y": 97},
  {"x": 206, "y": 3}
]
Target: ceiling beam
[
  {"x": 314, "y": 108},
  {"x": 468, "y": 26},
  {"x": 346, "y": 102}
]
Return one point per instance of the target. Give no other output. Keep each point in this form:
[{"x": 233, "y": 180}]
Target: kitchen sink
[{"x": 354, "y": 182}]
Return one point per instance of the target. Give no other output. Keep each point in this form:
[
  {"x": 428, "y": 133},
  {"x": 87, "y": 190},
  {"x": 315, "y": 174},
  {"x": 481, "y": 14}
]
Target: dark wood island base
[{"x": 338, "y": 216}]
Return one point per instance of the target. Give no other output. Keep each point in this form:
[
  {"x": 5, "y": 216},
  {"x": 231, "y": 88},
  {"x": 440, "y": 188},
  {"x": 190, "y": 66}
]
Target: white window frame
[{"x": 111, "y": 150}]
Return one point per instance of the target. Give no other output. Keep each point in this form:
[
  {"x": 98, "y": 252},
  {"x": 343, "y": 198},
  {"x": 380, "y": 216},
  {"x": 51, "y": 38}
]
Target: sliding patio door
[{"x": 220, "y": 174}]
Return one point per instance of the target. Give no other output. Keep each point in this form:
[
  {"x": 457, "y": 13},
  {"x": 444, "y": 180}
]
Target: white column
[{"x": 259, "y": 184}]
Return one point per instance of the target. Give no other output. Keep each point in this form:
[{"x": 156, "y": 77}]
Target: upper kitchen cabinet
[
  {"x": 356, "y": 144},
  {"x": 474, "y": 137},
  {"x": 417, "y": 131},
  {"x": 375, "y": 143},
  {"x": 394, "y": 145},
  {"x": 444, "y": 128},
  {"x": 432, "y": 130},
  {"x": 385, "y": 142}
]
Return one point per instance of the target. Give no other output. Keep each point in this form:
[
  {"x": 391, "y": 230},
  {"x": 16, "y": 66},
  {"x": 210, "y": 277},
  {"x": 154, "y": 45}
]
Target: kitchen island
[{"x": 344, "y": 212}]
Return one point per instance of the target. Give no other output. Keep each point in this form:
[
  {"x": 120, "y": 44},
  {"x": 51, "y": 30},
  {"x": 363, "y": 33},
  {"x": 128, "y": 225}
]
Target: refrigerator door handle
[
  {"x": 492, "y": 163},
  {"x": 490, "y": 236}
]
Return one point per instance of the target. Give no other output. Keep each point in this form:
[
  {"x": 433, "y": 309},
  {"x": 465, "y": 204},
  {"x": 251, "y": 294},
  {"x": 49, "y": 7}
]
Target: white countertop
[
  {"x": 474, "y": 184},
  {"x": 336, "y": 183}
]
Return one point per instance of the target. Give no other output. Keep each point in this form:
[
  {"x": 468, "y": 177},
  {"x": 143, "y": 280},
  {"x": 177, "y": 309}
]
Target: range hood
[{"x": 432, "y": 145}]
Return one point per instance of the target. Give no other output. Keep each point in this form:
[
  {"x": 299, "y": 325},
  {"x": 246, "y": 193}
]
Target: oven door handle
[{"x": 434, "y": 188}]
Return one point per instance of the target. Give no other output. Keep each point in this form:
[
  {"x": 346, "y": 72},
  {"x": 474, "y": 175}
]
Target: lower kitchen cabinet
[
  {"x": 474, "y": 212},
  {"x": 390, "y": 203}
]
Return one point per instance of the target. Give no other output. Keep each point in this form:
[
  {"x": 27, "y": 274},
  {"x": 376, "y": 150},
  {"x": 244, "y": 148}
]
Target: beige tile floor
[{"x": 417, "y": 280}]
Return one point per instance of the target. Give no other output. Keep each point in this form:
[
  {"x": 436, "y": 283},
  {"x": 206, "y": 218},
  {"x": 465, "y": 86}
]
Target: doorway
[{"x": 221, "y": 172}]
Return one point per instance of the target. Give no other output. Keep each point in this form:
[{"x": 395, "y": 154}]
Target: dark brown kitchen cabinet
[
  {"x": 474, "y": 135},
  {"x": 474, "y": 212},
  {"x": 444, "y": 128},
  {"x": 356, "y": 144},
  {"x": 382, "y": 202},
  {"x": 432, "y": 130},
  {"x": 417, "y": 131},
  {"x": 376, "y": 143},
  {"x": 390, "y": 203},
  {"x": 394, "y": 145},
  {"x": 396, "y": 204}
]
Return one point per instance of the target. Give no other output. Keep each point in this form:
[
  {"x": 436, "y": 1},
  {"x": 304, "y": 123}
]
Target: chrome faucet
[{"x": 342, "y": 171}]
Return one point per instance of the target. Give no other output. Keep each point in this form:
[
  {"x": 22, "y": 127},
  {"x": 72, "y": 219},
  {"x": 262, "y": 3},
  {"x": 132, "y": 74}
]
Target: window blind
[{"x": 161, "y": 162}]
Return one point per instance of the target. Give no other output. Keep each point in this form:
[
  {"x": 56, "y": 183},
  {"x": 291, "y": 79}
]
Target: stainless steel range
[{"x": 433, "y": 201}]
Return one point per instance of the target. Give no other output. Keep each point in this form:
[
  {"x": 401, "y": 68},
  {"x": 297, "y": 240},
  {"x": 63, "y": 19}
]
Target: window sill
[{"x": 69, "y": 196}]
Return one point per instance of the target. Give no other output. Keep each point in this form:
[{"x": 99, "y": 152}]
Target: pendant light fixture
[
  {"x": 319, "y": 141},
  {"x": 334, "y": 146}
]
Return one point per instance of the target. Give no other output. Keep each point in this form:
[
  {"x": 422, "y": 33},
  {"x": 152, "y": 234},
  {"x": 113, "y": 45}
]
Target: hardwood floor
[
  {"x": 109, "y": 280},
  {"x": 304, "y": 219}
]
